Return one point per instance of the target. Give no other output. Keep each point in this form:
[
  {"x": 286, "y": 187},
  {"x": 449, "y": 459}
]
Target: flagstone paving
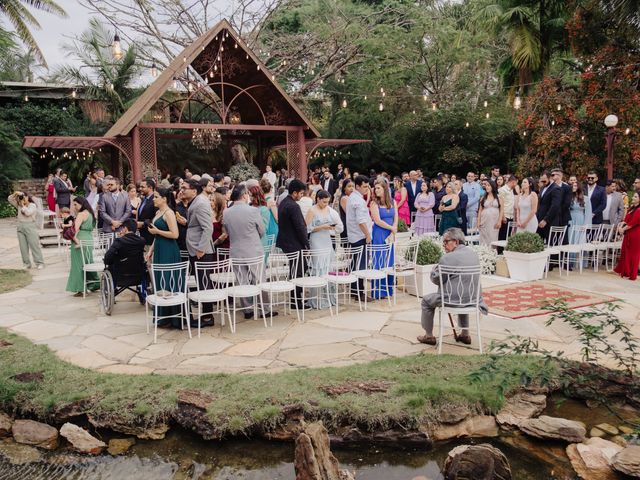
[{"x": 78, "y": 332}]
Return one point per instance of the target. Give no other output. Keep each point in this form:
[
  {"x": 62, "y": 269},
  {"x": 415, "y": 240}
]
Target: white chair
[
  {"x": 459, "y": 295},
  {"x": 341, "y": 272},
  {"x": 589, "y": 249},
  {"x": 89, "y": 264},
  {"x": 511, "y": 229},
  {"x": 191, "y": 278},
  {"x": 602, "y": 242},
  {"x": 613, "y": 248},
  {"x": 406, "y": 257},
  {"x": 62, "y": 242},
  {"x": 377, "y": 263},
  {"x": 315, "y": 267},
  {"x": 207, "y": 291},
  {"x": 223, "y": 278},
  {"x": 280, "y": 269},
  {"x": 169, "y": 290},
  {"x": 248, "y": 274},
  {"x": 573, "y": 250},
  {"x": 554, "y": 242}
]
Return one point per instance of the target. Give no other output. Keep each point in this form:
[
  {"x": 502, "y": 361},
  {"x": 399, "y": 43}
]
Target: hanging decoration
[{"x": 206, "y": 138}]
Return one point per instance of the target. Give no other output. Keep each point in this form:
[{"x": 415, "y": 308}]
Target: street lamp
[{"x": 610, "y": 122}]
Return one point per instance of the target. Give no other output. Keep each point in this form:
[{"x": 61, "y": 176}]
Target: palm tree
[
  {"x": 19, "y": 66},
  {"x": 21, "y": 18}
]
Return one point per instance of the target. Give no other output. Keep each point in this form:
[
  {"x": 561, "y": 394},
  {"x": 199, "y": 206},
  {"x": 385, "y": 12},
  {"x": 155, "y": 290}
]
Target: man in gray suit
[
  {"x": 457, "y": 255},
  {"x": 614, "y": 211},
  {"x": 114, "y": 206}
]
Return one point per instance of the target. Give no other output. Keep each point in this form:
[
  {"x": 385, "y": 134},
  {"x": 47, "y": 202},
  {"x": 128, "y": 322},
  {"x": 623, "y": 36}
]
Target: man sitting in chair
[
  {"x": 127, "y": 251},
  {"x": 457, "y": 255}
]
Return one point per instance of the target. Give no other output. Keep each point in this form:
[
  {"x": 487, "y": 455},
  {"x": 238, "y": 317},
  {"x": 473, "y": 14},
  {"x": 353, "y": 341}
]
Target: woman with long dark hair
[
  {"x": 346, "y": 190},
  {"x": 490, "y": 214},
  {"x": 526, "y": 206},
  {"x": 384, "y": 214},
  {"x": 630, "y": 253},
  {"x": 84, "y": 225}
]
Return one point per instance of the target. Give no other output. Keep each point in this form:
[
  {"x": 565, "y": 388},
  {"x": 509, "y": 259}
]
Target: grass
[
  {"x": 418, "y": 387},
  {"x": 11, "y": 280}
]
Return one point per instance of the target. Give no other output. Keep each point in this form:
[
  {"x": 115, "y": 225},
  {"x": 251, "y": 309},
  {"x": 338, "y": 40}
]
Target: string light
[
  {"x": 627, "y": 131},
  {"x": 486, "y": 115},
  {"x": 116, "y": 49},
  {"x": 154, "y": 70},
  {"x": 26, "y": 98},
  {"x": 414, "y": 112},
  {"x": 344, "y": 103},
  {"x": 365, "y": 98},
  {"x": 73, "y": 93},
  {"x": 553, "y": 122},
  {"x": 424, "y": 97},
  {"x": 434, "y": 106},
  {"x": 582, "y": 137},
  {"x": 466, "y": 125},
  {"x": 524, "y": 134},
  {"x": 175, "y": 83},
  {"x": 558, "y": 107},
  {"x": 381, "y": 107},
  {"x": 517, "y": 102},
  {"x": 486, "y": 104}
]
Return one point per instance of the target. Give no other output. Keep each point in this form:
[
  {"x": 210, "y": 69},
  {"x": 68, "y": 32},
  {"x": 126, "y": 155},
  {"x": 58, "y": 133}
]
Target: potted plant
[
  {"x": 429, "y": 253},
  {"x": 525, "y": 256},
  {"x": 487, "y": 257},
  {"x": 403, "y": 230}
]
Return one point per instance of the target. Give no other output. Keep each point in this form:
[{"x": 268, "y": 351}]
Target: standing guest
[
  {"x": 328, "y": 183},
  {"x": 51, "y": 193},
  {"x": 182, "y": 212},
  {"x": 580, "y": 212},
  {"x": 549, "y": 203},
  {"x": 347, "y": 189},
  {"x": 614, "y": 211},
  {"x": 472, "y": 189},
  {"x": 134, "y": 199},
  {"x": 346, "y": 173},
  {"x": 462, "y": 205},
  {"x": 526, "y": 206},
  {"x": 28, "y": 238},
  {"x": 413, "y": 186},
  {"x": 63, "y": 192},
  {"x": 258, "y": 201},
  {"x": 495, "y": 173},
  {"x": 597, "y": 197},
  {"x": 99, "y": 174},
  {"x": 483, "y": 177},
  {"x": 114, "y": 207},
  {"x": 621, "y": 188},
  {"x": 147, "y": 210},
  {"x": 269, "y": 175},
  {"x": 489, "y": 214},
  {"x": 85, "y": 221},
  {"x": 93, "y": 195},
  {"x": 439, "y": 192},
  {"x": 424, "y": 203},
  {"x": 269, "y": 197},
  {"x": 340, "y": 174},
  {"x": 448, "y": 208},
  {"x": 85, "y": 184},
  {"x": 566, "y": 198},
  {"x": 359, "y": 224},
  {"x": 500, "y": 182},
  {"x": 305, "y": 201},
  {"x": 384, "y": 214},
  {"x": 314, "y": 186},
  {"x": 636, "y": 184},
  {"x": 218, "y": 205},
  {"x": 402, "y": 201},
  {"x": 629, "y": 261},
  {"x": 507, "y": 199}
]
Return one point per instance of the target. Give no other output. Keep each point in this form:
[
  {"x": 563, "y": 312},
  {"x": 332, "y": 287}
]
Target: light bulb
[
  {"x": 365, "y": 97},
  {"x": 424, "y": 97},
  {"x": 344, "y": 103},
  {"x": 381, "y": 107},
  {"x": 154, "y": 70},
  {"x": 558, "y": 107},
  {"x": 26, "y": 98},
  {"x": 524, "y": 134},
  {"x": 466, "y": 125},
  {"x": 553, "y": 122},
  {"x": 582, "y": 137},
  {"x": 517, "y": 102},
  {"x": 486, "y": 104},
  {"x": 434, "y": 106},
  {"x": 175, "y": 83},
  {"x": 486, "y": 115},
  {"x": 627, "y": 131},
  {"x": 116, "y": 49},
  {"x": 73, "y": 93},
  {"x": 414, "y": 112}
]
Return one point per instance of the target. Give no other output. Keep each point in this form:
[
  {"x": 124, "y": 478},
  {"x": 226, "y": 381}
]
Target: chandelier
[{"x": 206, "y": 138}]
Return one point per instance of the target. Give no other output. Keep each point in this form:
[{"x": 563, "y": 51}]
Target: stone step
[
  {"x": 47, "y": 232},
  {"x": 49, "y": 242}
]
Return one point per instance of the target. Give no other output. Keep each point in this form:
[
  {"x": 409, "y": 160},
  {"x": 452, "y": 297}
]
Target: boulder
[
  {"x": 35, "y": 434},
  {"x": 476, "y": 462},
  {"x": 551, "y": 454},
  {"x": 577, "y": 458},
  {"x": 17, "y": 454},
  {"x": 520, "y": 407},
  {"x": 453, "y": 414},
  {"x": 628, "y": 461},
  {"x": 155, "y": 431},
  {"x": 608, "y": 429},
  {"x": 191, "y": 414},
  {"x": 120, "y": 446},
  {"x": 5, "y": 425},
  {"x": 625, "y": 430},
  {"x": 292, "y": 426},
  {"x": 81, "y": 440},
  {"x": 554, "y": 428},
  {"x": 351, "y": 435},
  {"x": 619, "y": 440},
  {"x": 596, "y": 432},
  {"x": 313, "y": 458},
  {"x": 476, "y": 426}
]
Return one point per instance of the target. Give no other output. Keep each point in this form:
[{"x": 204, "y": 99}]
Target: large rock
[
  {"x": 191, "y": 414},
  {"x": 554, "y": 428},
  {"x": 476, "y": 462},
  {"x": 313, "y": 458},
  {"x": 591, "y": 459},
  {"x": 120, "y": 446},
  {"x": 156, "y": 431},
  {"x": 292, "y": 426},
  {"x": 520, "y": 407},
  {"x": 36, "y": 434},
  {"x": 453, "y": 414},
  {"x": 5, "y": 425},
  {"x": 551, "y": 454},
  {"x": 353, "y": 435},
  {"x": 628, "y": 461},
  {"x": 81, "y": 440},
  {"x": 17, "y": 454},
  {"x": 476, "y": 426}
]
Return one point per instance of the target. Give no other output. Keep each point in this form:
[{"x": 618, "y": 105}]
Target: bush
[
  {"x": 402, "y": 227},
  {"x": 487, "y": 257},
  {"x": 7, "y": 210},
  {"x": 242, "y": 172},
  {"x": 525, "y": 242},
  {"x": 429, "y": 252}
]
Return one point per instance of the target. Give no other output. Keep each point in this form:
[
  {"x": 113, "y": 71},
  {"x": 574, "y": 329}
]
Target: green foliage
[
  {"x": 14, "y": 162},
  {"x": 525, "y": 242},
  {"x": 7, "y": 210},
  {"x": 429, "y": 252},
  {"x": 402, "y": 226},
  {"x": 241, "y": 172}
]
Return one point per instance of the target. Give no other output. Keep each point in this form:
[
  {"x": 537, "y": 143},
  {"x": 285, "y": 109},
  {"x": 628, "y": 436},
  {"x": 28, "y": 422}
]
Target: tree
[
  {"x": 14, "y": 162},
  {"x": 19, "y": 16},
  {"x": 17, "y": 66}
]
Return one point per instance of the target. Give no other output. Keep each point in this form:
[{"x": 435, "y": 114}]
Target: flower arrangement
[
  {"x": 488, "y": 258},
  {"x": 241, "y": 172}
]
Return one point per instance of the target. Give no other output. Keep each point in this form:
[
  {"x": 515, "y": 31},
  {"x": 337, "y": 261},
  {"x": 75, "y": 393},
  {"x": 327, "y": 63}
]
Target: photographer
[{"x": 28, "y": 237}]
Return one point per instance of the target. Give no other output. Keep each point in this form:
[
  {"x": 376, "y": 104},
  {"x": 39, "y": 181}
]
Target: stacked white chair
[
  {"x": 554, "y": 243},
  {"x": 248, "y": 273},
  {"x": 207, "y": 290},
  {"x": 406, "y": 257},
  {"x": 614, "y": 246},
  {"x": 574, "y": 249},
  {"x": 602, "y": 242},
  {"x": 341, "y": 272},
  {"x": 377, "y": 264},
  {"x": 315, "y": 265},
  {"x": 169, "y": 289},
  {"x": 281, "y": 267},
  {"x": 589, "y": 248}
]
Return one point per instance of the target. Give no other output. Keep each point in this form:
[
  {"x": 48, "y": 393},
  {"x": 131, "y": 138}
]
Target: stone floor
[{"x": 79, "y": 333}]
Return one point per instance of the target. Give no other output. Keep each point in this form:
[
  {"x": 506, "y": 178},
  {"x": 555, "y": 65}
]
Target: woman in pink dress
[
  {"x": 425, "y": 201},
  {"x": 51, "y": 197},
  {"x": 400, "y": 196}
]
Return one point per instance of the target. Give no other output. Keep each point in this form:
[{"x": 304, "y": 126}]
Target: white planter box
[
  {"x": 423, "y": 275},
  {"x": 526, "y": 266}
]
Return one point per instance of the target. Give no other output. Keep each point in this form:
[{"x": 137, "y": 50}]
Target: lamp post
[{"x": 610, "y": 121}]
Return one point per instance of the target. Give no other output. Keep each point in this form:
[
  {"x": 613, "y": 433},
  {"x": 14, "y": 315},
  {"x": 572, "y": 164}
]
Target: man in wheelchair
[{"x": 125, "y": 268}]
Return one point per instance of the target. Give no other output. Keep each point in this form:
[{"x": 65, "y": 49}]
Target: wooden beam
[{"x": 212, "y": 126}]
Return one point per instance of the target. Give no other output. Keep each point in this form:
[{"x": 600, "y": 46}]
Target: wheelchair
[{"x": 126, "y": 274}]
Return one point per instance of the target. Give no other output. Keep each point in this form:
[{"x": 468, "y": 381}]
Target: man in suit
[
  {"x": 413, "y": 186},
  {"x": 328, "y": 183},
  {"x": 63, "y": 192},
  {"x": 462, "y": 205},
  {"x": 614, "y": 211},
  {"x": 114, "y": 207},
  {"x": 597, "y": 197},
  {"x": 472, "y": 188},
  {"x": 146, "y": 210},
  {"x": 199, "y": 232},
  {"x": 457, "y": 255},
  {"x": 566, "y": 197},
  {"x": 548, "y": 213},
  {"x": 127, "y": 249},
  {"x": 440, "y": 191}
]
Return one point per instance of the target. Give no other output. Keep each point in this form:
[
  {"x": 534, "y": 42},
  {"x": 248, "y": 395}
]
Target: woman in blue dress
[
  {"x": 580, "y": 211},
  {"x": 384, "y": 214}
]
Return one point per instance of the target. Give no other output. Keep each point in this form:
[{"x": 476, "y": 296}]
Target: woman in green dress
[
  {"x": 165, "y": 250},
  {"x": 449, "y": 210},
  {"x": 84, "y": 223}
]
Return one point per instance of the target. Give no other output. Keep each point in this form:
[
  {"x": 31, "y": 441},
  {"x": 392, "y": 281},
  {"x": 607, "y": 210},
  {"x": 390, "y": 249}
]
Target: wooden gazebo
[{"x": 241, "y": 100}]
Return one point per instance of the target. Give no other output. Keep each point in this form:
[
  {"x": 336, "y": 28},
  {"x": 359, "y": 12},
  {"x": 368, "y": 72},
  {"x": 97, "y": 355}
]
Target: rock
[
  {"x": 591, "y": 459},
  {"x": 156, "y": 431},
  {"x": 81, "y": 440},
  {"x": 628, "y": 461},
  {"x": 120, "y": 446},
  {"x": 554, "y": 428},
  {"x": 619, "y": 440},
  {"x": 476, "y": 462},
  {"x": 609, "y": 429},
  {"x": 5, "y": 425},
  {"x": 453, "y": 414},
  {"x": 626, "y": 430},
  {"x": 17, "y": 454},
  {"x": 596, "y": 432},
  {"x": 191, "y": 413},
  {"x": 68, "y": 411},
  {"x": 36, "y": 434},
  {"x": 476, "y": 426},
  {"x": 520, "y": 407},
  {"x": 313, "y": 459},
  {"x": 350, "y": 435},
  {"x": 293, "y": 425},
  {"x": 551, "y": 454}
]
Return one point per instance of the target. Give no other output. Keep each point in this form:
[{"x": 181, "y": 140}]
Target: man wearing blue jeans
[{"x": 359, "y": 224}]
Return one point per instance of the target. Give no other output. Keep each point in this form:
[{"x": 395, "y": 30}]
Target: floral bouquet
[{"x": 488, "y": 258}]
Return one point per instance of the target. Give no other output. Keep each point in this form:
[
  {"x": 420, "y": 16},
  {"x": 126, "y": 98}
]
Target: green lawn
[{"x": 11, "y": 280}]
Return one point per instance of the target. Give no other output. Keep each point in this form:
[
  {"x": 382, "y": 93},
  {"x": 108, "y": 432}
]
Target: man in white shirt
[
  {"x": 359, "y": 222},
  {"x": 507, "y": 197},
  {"x": 269, "y": 175},
  {"x": 472, "y": 189}
]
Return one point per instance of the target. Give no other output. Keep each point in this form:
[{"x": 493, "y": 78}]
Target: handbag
[{"x": 69, "y": 233}]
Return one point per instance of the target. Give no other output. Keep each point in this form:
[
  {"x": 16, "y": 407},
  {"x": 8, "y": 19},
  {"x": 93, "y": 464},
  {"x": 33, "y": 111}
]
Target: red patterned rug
[{"x": 526, "y": 299}]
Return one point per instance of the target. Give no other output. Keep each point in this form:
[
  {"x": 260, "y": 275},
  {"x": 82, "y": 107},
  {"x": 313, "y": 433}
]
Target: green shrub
[
  {"x": 402, "y": 227},
  {"x": 525, "y": 242},
  {"x": 7, "y": 210},
  {"x": 241, "y": 172},
  {"x": 429, "y": 252}
]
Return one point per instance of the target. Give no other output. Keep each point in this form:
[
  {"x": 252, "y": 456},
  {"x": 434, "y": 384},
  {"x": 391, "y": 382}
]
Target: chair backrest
[
  {"x": 281, "y": 267},
  {"x": 169, "y": 277},
  {"x": 86, "y": 250},
  {"x": 592, "y": 233},
  {"x": 511, "y": 228},
  {"x": 556, "y": 236},
  {"x": 248, "y": 271},
  {"x": 438, "y": 217},
  {"x": 406, "y": 254},
  {"x": 345, "y": 260},
  {"x": 606, "y": 233},
  {"x": 378, "y": 257},
  {"x": 316, "y": 263},
  {"x": 413, "y": 218},
  {"x": 460, "y": 286},
  {"x": 222, "y": 253},
  {"x": 208, "y": 273}
]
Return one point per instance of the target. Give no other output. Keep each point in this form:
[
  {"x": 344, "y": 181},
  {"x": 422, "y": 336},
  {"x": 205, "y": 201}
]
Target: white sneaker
[{"x": 40, "y": 267}]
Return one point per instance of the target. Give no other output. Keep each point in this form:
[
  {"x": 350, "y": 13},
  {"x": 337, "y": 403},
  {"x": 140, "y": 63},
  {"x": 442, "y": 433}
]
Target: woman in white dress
[
  {"x": 526, "y": 207},
  {"x": 490, "y": 214}
]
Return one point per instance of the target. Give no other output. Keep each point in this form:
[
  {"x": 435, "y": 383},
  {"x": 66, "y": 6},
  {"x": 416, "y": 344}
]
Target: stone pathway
[{"x": 78, "y": 332}]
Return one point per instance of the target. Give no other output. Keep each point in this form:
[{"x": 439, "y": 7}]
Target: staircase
[{"x": 33, "y": 187}]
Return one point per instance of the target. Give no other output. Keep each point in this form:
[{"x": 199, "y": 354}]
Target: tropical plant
[
  {"x": 525, "y": 242},
  {"x": 21, "y": 18},
  {"x": 14, "y": 162},
  {"x": 19, "y": 66},
  {"x": 429, "y": 251}
]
